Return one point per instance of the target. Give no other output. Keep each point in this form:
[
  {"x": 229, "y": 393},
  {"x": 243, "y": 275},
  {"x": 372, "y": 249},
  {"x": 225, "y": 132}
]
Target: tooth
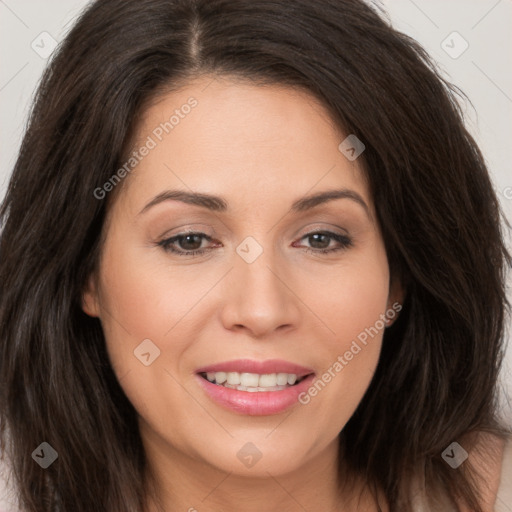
[
  {"x": 292, "y": 378},
  {"x": 268, "y": 380},
  {"x": 249, "y": 379},
  {"x": 252, "y": 389},
  {"x": 234, "y": 378},
  {"x": 282, "y": 379},
  {"x": 220, "y": 377},
  {"x": 252, "y": 381}
]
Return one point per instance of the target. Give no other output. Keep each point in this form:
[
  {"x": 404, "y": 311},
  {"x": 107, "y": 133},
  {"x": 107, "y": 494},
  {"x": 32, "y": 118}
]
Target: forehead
[{"x": 238, "y": 139}]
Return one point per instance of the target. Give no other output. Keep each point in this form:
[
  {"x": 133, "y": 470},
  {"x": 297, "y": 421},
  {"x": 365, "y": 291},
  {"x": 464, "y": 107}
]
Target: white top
[{"x": 8, "y": 501}]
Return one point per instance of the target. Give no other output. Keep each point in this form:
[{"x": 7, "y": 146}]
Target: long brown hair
[{"x": 436, "y": 380}]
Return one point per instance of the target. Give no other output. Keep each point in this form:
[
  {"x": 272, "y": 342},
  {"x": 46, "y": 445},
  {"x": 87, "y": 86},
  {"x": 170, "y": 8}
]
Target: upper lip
[{"x": 260, "y": 367}]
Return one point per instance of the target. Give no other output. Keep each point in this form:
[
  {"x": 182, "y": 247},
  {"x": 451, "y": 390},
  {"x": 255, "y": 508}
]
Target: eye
[
  {"x": 189, "y": 244},
  {"x": 322, "y": 239}
]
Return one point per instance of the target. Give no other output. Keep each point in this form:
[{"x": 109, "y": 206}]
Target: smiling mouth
[{"x": 253, "y": 382}]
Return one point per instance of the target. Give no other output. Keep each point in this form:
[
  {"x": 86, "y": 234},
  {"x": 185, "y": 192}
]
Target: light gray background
[{"x": 483, "y": 71}]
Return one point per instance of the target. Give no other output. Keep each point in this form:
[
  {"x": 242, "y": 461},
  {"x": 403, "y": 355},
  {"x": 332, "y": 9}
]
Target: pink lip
[
  {"x": 259, "y": 403},
  {"x": 260, "y": 367}
]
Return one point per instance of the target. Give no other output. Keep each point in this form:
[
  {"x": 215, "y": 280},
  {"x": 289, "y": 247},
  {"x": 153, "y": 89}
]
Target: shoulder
[
  {"x": 487, "y": 457},
  {"x": 8, "y": 498}
]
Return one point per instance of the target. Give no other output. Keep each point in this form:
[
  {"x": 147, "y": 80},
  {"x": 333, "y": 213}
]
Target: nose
[{"x": 259, "y": 297}]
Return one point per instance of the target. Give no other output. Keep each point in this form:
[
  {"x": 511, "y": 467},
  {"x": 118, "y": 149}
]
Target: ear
[
  {"x": 396, "y": 299},
  {"x": 90, "y": 302}
]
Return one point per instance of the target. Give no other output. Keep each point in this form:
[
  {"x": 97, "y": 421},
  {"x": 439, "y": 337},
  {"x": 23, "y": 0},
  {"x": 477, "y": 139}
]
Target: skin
[{"x": 260, "y": 148}]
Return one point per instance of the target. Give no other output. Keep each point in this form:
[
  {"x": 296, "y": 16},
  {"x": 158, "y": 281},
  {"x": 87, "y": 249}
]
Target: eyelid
[
  {"x": 321, "y": 226},
  {"x": 187, "y": 229}
]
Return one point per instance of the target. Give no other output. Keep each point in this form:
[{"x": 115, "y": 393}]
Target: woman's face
[{"x": 261, "y": 291}]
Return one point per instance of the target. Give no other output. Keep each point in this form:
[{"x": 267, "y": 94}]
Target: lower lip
[{"x": 259, "y": 403}]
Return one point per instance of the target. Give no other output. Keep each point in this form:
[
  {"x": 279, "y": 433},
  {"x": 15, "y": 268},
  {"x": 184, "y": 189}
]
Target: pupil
[
  {"x": 186, "y": 238},
  {"x": 315, "y": 240}
]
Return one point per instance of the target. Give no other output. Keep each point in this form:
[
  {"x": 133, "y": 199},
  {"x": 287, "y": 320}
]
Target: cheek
[
  {"x": 146, "y": 298},
  {"x": 350, "y": 355},
  {"x": 362, "y": 302},
  {"x": 143, "y": 298},
  {"x": 352, "y": 297}
]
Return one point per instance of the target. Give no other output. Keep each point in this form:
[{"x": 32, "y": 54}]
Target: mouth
[
  {"x": 253, "y": 382},
  {"x": 255, "y": 388}
]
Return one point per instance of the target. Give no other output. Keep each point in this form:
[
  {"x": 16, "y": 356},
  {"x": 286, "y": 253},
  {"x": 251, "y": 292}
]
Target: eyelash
[{"x": 344, "y": 240}]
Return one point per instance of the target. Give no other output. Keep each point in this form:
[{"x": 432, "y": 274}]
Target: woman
[{"x": 251, "y": 259}]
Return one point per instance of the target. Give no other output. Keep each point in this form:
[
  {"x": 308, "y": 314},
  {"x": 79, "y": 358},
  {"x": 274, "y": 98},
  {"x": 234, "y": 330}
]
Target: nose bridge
[{"x": 258, "y": 296}]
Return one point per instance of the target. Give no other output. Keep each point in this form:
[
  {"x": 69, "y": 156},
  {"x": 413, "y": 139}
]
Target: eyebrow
[{"x": 218, "y": 204}]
